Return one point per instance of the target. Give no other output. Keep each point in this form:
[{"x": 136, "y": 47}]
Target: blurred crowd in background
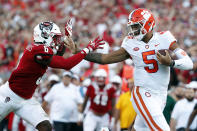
[{"x": 92, "y": 18}]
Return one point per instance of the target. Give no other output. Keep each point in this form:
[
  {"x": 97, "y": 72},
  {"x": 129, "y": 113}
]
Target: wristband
[{"x": 85, "y": 51}]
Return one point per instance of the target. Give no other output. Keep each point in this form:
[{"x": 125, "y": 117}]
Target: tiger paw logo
[
  {"x": 7, "y": 99},
  {"x": 147, "y": 94},
  {"x": 145, "y": 14}
]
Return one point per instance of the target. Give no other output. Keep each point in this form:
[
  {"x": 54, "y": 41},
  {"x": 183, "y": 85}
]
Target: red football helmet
[{"x": 141, "y": 21}]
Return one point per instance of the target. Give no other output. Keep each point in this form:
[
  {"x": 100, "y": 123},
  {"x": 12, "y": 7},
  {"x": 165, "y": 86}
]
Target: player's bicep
[
  {"x": 115, "y": 56},
  {"x": 180, "y": 53},
  {"x": 173, "y": 46}
]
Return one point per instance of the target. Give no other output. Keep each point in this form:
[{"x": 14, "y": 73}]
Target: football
[
  {"x": 162, "y": 52},
  {"x": 172, "y": 55}
]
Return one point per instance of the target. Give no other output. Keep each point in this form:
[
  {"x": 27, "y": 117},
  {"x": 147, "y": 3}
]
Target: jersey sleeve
[
  {"x": 168, "y": 37},
  {"x": 68, "y": 63},
  {"x": 127, "y": 44}
]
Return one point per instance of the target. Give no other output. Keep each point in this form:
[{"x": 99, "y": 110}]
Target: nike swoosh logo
[{"x": 156, "y": 45}]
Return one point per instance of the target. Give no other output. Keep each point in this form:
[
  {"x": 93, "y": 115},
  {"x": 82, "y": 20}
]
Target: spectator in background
[
  {"x": 191, "y": 119},
  {"x": 170, "y": 102},
  {"x": 182, "y": 111},
  {"x": 75, "y": 80},
  {"x": 176, "y": 94},
  {"x": 179, "y": 93},
  {"x": 193, "y": 84},
  {"x": 53, "y": 79},
  {"x": 64, "y": 101},
  {"x": 193, "y": 116},
  {"x": 124, "y": 110}
]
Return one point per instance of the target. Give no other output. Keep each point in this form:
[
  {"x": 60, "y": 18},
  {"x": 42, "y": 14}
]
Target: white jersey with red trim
[{"x": 148, "y": 73}]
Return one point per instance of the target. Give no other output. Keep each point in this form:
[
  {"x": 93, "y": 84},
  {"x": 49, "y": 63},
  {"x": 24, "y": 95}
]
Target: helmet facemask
[
  {"x": 46, "y": 28},
  {"x": 136, "y": 30}
]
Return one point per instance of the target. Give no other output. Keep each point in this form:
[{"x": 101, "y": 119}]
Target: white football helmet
[
  {"x": 100, "y": 77},
  {"x": 48, "y": 33},
  {"x": 116, "y": 79},
  {"x": 140, "y": 22}
]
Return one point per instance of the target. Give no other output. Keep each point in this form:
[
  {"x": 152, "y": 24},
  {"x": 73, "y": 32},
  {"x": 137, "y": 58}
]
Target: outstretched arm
[
  {"x": 60, "y": 62},
  {"x": 113, "y": 57}
]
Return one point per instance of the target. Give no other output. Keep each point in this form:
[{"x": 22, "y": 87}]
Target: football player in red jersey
[
  {"x": 47, "y": 51},
  {"x": 102, "y": 98}
]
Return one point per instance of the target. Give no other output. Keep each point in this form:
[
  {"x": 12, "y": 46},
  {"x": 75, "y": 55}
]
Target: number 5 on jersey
[{"x": 150, "y": 61}]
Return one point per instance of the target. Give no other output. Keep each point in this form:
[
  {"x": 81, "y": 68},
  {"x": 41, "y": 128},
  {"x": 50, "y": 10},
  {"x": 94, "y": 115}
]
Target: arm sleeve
[
  {"x": 184, "y": 62},
  {"x": 67, "y": 64}
]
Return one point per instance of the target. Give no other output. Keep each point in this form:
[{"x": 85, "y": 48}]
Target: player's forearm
[
  {"x": 94, "y": 57},
  {"x": 67, "y": 64},
  {"x": 184, "y": 62}
]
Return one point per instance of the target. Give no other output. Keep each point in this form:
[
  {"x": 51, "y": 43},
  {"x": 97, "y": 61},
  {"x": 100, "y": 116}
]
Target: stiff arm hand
[{"x": 92, "y": 46}]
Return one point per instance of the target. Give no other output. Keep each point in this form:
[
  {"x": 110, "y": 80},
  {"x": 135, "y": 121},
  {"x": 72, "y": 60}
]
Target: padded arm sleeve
[
  {"x": 67, "y": 64},
  {"x": 184, "y": 62}
]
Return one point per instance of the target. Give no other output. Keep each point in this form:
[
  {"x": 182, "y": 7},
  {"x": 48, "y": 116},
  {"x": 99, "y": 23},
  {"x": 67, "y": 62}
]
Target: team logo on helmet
[{"x": 140, "y": 22}]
